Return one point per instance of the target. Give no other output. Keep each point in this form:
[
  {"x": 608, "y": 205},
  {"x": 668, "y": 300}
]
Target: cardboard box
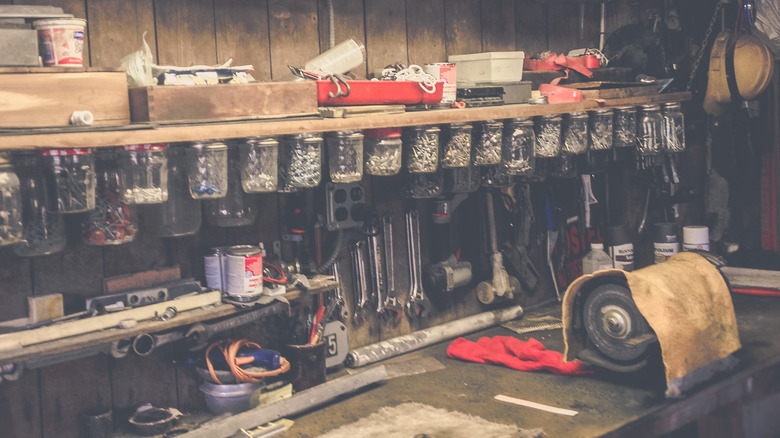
[
  {"x": 35, "y": 97},
  {"x": 488, "y": 67},
  {"x": 257, "y": 100}
]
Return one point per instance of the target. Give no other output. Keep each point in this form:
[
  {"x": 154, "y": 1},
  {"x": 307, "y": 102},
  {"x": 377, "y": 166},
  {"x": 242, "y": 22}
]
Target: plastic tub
[
  {"x": 488, "y": 67},
  {"x": 61, "y": 41}
]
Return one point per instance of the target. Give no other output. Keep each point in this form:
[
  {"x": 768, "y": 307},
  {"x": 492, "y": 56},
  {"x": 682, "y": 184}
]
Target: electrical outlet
[{"x": 345, "y": 205}]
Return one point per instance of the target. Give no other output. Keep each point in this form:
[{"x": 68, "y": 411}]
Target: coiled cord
[{"x": 229, "y": 349}]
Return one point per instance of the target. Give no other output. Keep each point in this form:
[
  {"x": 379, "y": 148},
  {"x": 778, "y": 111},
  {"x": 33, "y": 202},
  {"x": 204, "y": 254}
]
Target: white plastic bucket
[{"x": 61, "y": 41}]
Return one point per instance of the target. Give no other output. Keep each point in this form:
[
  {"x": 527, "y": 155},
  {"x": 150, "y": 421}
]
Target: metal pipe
[
  {"x": 331, "y": 25},
  {"x": 423, "y": 338},
  {"x": 602, "y": 25}
]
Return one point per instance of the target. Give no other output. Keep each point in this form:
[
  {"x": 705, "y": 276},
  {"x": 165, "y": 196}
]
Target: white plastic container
[
  {"x": 488, "y": 67},
  {"x": 596, "y": 259},
  {"x": 340, "y": 59},
  {"x": 61, "y": 41},
  {"x": 696, "y": 237}
]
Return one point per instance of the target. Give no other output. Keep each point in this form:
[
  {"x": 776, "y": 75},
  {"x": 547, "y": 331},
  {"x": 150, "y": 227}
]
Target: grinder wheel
[{"x": 612, "y": 320}]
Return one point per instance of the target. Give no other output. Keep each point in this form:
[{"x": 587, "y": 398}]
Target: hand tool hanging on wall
[
  {"x": 389, "y": 310},
  {"x": 379, "y": 238},
  {"x": 417, "y": 304},
  {"x": 502, "y": 285},
  {"x": 360, "y": 283},
  {"x": 448, "y": 272}
]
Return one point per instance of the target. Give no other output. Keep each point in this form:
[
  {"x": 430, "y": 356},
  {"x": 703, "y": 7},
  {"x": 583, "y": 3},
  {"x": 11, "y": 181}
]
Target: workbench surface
[{"x": 608, "y": 403}]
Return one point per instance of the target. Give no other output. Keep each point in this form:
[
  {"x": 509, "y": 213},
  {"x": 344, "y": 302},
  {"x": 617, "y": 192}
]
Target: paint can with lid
[
  {"x": 696, "y": 237},
  {"x": 621, "y": 249},
  {"x": 665, "y": 241},
  {"x": 213, "y": 262},
  {"x": 446, "y": 72},
  {"x": 243, "y": 272}
]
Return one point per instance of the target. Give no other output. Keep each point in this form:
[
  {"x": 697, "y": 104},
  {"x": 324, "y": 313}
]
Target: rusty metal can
[
  {"x": 446, "y": 72},
  {"x": 243, "y": 279}
]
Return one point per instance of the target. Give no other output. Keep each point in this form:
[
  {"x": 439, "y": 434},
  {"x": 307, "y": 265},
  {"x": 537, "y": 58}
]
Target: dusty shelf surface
[{"x": 11, "y": 139}]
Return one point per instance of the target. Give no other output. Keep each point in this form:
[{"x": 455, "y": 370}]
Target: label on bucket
[
  {"x": 61, "y": 42},
  {"x": 244, "y": 274}
]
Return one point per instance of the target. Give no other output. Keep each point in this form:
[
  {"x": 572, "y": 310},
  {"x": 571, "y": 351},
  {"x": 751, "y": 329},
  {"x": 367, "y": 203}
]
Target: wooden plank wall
[{"x": 269, "y": 34}]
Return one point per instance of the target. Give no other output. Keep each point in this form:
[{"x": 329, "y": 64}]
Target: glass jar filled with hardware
[
  {"x": 143, "y": 171},
  {"x": 564, "y": 166},
  {"x": 575, "y": 133},
  {"x": 624, "y": 127},
  {"x": 180, "y": 215},
  {"x": 600, "y": 129},
  {"x": 345, "y": 156},
  {"x": 43, "y": 227},
  {"x": 382, "y": 151},
  {"x": 547, "y": 129},
  {"x": 674, "y": 127},
  {"x": 237, "y": 208},
  {"x": 650, "y": 130},
  {"x": 422, "y": 149},
  {"x": 207, "y": 169},
  {"x": 258, "y": 157},
  {"x": 300, "y": 161},
  {"x": 73, "y": 172},
  {"x": 456, "y": 148},
  {"x": 422, "y": 185},
  {"x": 517, "y": 150},
  {"x": 10, "y": 203},
  {"x": 113, "y": 221},
  {"x": 487, "y": 144}
]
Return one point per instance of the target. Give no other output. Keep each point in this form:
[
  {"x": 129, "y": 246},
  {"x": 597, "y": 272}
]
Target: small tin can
[
  {"x": 213, "y": 263},
  {"x": 243, "y": 278},
  {"x": 446, "y": 72}
]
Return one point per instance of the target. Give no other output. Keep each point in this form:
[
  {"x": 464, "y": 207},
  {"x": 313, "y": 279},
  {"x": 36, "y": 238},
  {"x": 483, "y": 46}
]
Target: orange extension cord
[{"x": 229, "y": 349}]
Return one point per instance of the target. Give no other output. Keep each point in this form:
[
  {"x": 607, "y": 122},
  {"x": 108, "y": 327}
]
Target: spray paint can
[
  {"x": 621, "y": 249},
  {"x": 696, "y": 237},
  {"x": 243, "y": 268},
  {"x": 446, "y": 72},
  {"x": 665, "y": 241}
]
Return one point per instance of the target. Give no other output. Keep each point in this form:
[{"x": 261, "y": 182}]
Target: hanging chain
[{"x": 703, "y": 47}]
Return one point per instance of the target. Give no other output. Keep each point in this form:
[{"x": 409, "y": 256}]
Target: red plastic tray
[{"x": 379, "y": 93}]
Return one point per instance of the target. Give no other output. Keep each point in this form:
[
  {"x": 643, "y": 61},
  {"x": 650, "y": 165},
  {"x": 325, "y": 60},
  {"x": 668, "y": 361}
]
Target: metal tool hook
[{"x": 338, "y": 80}]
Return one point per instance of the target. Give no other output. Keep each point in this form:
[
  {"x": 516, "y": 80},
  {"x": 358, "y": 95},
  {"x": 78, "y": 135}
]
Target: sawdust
[{"x": 416, "y": 419}]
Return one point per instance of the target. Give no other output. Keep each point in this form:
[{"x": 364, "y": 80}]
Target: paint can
[
  {"x": 665, "y": 241},
  {"x": 243, "y": 278},
  {"x": 61, "y": 41},
  {"x": 446, "y": 72},
  {"x": 696, "y": 237},
  {"x": 214, "y": 266},
  {"x": 621, "y": 249}
]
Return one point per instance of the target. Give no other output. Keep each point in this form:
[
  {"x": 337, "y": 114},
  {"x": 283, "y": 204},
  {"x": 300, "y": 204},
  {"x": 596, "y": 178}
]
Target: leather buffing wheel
[{"x": 613, "y": 323}]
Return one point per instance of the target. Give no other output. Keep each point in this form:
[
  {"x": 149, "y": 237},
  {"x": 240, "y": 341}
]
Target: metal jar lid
[
  {"x": 625, "y": 109},
  {"x": 243, "y": 250},
  {"x": 522, "y": 121},
  {"x": 350, "y": 134},
  {"x": 601, "y": 111},
  {"x": 211, "y": 146},
  {"x": 578, "y": 115},
  {"x": 650, "y": 107},
  {"x": 427, "y": 128},
  {"x": 672, "y": 106}
]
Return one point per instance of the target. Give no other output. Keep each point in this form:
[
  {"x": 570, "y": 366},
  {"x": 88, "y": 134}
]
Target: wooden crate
[
  {"x": 257, "y": 100},
  {"x": 35, "y": 97}
]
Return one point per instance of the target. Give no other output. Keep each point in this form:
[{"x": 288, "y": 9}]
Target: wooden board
[
  {"x": 613, "y": 90},
  {"x": 140, "y": 279},
  {"x": 77, "y": 8},
  {"x": 185, "y": 32},
  {"x": 224, "y": 101},
  {"x": 385, "y": 34},
  {"x": 293, "y": 26},
  {"x": 116, "y": 27},
  {"x": 531, "y": 26},
  {"x": 349, "y": 23},
  {"x": 48, "y": 99},
  {"x": 360, "y": 110},
  {"x": 242, "y": 34},
  {"x": 498, "y": 25},
  {"x": 425, "y": 32},
  {"x": 463, "y": 25}
]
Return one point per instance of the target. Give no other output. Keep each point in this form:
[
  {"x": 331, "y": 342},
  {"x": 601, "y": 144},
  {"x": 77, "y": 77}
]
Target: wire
[
  {"x": 229, "y": 349},
  {"x": 282, "y": 279}
]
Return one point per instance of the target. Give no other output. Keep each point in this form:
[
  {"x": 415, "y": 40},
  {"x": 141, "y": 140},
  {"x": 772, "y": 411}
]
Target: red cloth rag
[{"x": 514, "y": 353}]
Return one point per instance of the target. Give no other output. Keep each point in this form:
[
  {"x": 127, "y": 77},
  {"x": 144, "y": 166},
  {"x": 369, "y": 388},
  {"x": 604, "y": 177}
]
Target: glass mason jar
[
  {"x": 422, "y": 150},
  {"x": 624, "y": 127},
  {"x": 73, "y": 173},
  {"x": 487, "y": 148},
  {"x": 650, "y": 130},
  {"x": 456, "y": 150},
  {"x": 300, "y": 161},
  {"x": 345, "y": 156},
  {"x": 143, "y": 171},
  {"x": 382, "y": 151},
  {"x": 674, "y": 127},
  {"x": 548, "y": 135},
  {"x": 180, "y": 215},
  {"x": 113, "y": 221},
  {"x": 575, "y": 133},
  {"x": 496, "y": 176},
  {"x": 517, "y": 150},
  {"x": 207, "y": 169},
  {"x": 422, "y": 185},
  {"x": 10, "y": 203},
  {"x": 44, "y": 227},
  {"x": 258, "y": 157},
  {"x": 236, "y": 209},
  {"x": 600, "y": 129}
]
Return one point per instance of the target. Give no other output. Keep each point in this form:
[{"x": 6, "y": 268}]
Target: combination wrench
[
  {"x": 362, "y": 298},
  {"x": 417, "y": 304},
  {"x": 338, "y": 294},
  {"x": 389, "y": 310}
]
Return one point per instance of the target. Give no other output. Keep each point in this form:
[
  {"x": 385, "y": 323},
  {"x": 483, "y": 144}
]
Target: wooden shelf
[
  {"x": 89, "y": 344},
  {"x": 150, "y": 133}
]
